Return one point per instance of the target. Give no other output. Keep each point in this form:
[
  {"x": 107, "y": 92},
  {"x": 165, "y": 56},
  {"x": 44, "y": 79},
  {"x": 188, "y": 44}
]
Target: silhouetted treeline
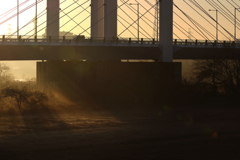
[{"x": 212, "y": 82}]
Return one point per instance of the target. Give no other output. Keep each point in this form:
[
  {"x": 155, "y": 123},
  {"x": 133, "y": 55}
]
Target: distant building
[{"x": 68, "y": 35}]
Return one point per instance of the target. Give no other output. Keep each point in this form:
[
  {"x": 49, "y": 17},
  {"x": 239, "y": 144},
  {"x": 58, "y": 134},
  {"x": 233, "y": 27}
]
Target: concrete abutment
[{"x": 111, "y": 81}]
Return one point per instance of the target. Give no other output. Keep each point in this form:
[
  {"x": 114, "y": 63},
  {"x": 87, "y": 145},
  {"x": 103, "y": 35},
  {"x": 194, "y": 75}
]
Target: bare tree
[
  {"x": 4, "y": 73},
  {"x": 4, "y": 70},
  {"x": 218, "y": 75},
  {"x": 19, "y": 94},
  {"x": 22, "y": 94},
  {"x": 37, "y": 97}
]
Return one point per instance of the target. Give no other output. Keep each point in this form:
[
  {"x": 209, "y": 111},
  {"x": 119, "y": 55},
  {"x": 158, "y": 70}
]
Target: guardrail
[
  {"x": 83, "y": 39},
  {"x": 76, "y": 39},
  {"x": 206, "y": 42}
]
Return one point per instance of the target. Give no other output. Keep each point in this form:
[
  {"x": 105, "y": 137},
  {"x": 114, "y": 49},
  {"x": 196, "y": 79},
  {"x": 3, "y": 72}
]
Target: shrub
[
  {"x": 24, "y": 95},
  {"x": 37, "y": 97},
  {"x": 20, "y": 95}
]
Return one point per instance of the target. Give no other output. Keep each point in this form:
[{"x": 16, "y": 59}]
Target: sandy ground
[{"x": 159, "y": 132}]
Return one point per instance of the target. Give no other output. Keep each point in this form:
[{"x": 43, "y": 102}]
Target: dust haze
[{"x": 48, "y": 124}]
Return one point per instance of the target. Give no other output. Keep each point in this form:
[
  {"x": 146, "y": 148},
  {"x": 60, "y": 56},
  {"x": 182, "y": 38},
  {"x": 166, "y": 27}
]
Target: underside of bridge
[
  {"x": 111, "y": 81},
  {"x": 108, "y": 52}
]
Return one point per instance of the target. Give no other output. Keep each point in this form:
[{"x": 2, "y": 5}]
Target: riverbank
[{"x": 159, "y": 132}]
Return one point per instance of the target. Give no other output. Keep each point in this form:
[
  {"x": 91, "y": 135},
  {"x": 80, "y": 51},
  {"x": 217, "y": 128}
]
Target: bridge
[
  {"x": 115, "y": 49},
  {"x": 103, "y": 42},
  {"x": 82, "y": 43}
]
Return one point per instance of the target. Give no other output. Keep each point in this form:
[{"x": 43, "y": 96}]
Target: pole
[
  {"x": 157, "y": 21},
  {"x": 138, "y": 17},
  {"x": 17, "y": 18},
  {"x": 235, "y": 25},
  {"x": 36, "y": 20},
  {"x": 138, "y": 22},
  {"x": 217, "y": 24}
]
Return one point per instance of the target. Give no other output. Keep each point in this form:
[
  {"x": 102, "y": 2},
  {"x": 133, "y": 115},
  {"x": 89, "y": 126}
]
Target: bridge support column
[
  {"x": 53, "y": 18},
  {"x": 104, "y": 18},
  {"x": 97, "y": 21},
  {"x": 166, "y": 30},
  {"x": 110, "y": 18}
]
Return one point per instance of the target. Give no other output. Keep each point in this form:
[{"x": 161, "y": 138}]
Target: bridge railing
[
  {"x": 71, "y": 39},
  {"x": 205, "y": 42},
  {"x": 83, "y": 39}
]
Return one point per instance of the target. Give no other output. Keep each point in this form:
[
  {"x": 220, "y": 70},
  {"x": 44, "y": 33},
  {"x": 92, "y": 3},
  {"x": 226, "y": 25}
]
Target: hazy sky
[
  {"x": 125, "y": 14},
  {"x": 28, "y": 69}
]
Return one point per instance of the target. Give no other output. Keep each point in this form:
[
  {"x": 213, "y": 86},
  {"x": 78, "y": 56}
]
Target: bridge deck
[{"x": 111, "y": 49}]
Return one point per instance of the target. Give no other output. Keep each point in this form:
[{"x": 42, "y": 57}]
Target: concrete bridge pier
[
  {"x": 103, "y": 18},
  {"x": 110, "y": 20},
  {"x": 112, "y": 82},
  {"x": 53, "y": 18},
  {"x": 166, "y": 30},
  {"x": 53, "y": 9},
  {"x": 97, "y": 21}
]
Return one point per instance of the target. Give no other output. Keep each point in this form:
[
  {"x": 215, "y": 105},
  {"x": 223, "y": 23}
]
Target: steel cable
[
  {"x": 125, "y": 27},
  {"x": 38, "y": 16},
  {"x": 58, "y": 18},
  {"x": 230, "y": 15},
  {"x": 12, "y": 9},
  {"x": 140, "y": 14},
  {"x": 139, "y": 17},
  {"x": 104, "y": 17},
  {"x": 189, "y": 25},
  {"x": 190, "y": 20},
  {"x": 25, "y": 9},
  {"x": 203, "y": 10},
  {"x": 182, "y": 29},
  {"x": 133, "y": 20},
  {"x": 221, "y": 11},
  {"x": 133, "y": 26},
  {"x": 74, "y": 20}
]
